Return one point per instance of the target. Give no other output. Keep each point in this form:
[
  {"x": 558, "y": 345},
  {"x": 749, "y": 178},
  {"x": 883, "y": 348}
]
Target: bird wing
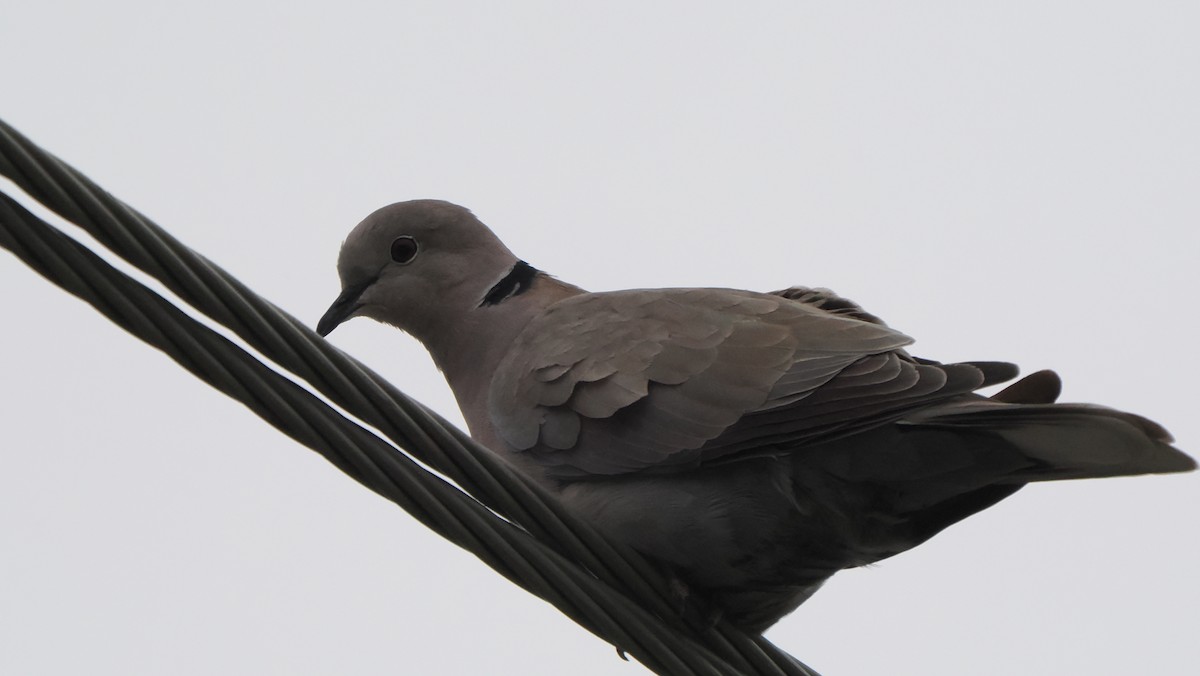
[{"x": 629, "y": 381}]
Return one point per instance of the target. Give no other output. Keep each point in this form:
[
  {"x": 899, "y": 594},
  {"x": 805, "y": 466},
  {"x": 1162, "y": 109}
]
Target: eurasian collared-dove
[{"x": 754, "y": 443}]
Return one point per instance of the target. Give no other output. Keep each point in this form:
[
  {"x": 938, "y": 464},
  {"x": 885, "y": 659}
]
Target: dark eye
[{"x": 404, "y": 249}]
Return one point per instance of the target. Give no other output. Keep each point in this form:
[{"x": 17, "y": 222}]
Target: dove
[{"x": 752, "y": 444}]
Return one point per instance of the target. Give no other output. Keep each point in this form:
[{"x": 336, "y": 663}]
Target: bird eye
[{"x": 404, "y": 249}]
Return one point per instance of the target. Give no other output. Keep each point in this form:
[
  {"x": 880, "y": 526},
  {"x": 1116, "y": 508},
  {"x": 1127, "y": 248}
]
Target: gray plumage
[{"x": 753, "y": 443}]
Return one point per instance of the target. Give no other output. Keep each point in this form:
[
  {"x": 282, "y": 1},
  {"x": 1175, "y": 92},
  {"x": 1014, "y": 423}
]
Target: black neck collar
[{"x": 516, "y": 282}]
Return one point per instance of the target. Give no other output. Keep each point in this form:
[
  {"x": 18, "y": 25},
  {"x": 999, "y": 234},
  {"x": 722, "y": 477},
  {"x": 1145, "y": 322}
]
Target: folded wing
[{"x": 631, "y": 381}]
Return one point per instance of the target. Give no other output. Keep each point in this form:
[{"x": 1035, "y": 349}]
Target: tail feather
[{"x": 1066, "y": 441}]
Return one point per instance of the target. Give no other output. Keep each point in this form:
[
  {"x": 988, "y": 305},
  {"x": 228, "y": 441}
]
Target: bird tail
[{"x": 1063, "y": 441}]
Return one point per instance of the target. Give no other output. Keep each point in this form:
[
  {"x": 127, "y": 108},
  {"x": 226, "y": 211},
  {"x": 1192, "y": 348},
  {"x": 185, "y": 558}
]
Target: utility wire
[{"x": 569, "y": 564}]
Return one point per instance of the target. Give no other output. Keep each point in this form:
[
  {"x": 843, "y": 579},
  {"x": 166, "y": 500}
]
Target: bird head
[{"x": 417, "y": 264}]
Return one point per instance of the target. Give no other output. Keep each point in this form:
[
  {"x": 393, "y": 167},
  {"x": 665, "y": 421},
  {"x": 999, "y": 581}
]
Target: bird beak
[{"x": 343, "y": 308}]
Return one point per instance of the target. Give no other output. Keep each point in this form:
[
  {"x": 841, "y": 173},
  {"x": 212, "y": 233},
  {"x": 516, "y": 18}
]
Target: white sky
[{"x": 1000, "y": 180}]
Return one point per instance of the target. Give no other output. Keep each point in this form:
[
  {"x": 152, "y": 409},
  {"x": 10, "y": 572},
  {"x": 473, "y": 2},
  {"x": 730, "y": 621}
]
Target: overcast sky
[{"x": 1012, "y": 181}]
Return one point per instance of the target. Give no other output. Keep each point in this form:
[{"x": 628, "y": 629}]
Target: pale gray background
[{"x": 1000, "y": 180}]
